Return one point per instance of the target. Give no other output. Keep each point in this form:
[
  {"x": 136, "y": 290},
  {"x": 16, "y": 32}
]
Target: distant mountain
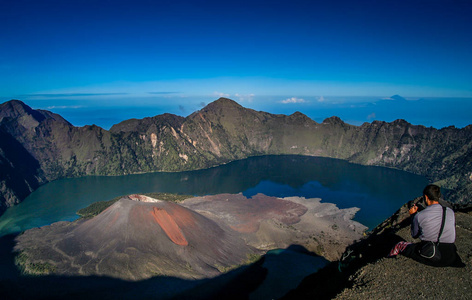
[
  {"x": 398, "y": 98},
  {"x": 39, "y": 146}
]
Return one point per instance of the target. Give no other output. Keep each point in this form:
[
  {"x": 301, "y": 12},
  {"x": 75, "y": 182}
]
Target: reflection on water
[{"x": 377, "y": 191}]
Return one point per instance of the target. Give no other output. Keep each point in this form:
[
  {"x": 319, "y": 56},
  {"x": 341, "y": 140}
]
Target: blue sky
[{"x": 319, "y": 57}]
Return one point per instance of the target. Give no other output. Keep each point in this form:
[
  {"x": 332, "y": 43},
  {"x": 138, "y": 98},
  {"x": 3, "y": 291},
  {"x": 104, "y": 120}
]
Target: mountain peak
[
  {"x": 333, "y": 120},
  {"x": 17, "y": 108},
  {"x": 13, "y": 106},
  {"x": 397, "y": 98},
  {"x": 224, "y": 102},
  {"x": 298, "y": 114},
  {"x": 14, "y": 102},
  {"x": 301, "y": 117},
  {"x": 220, "y": 105}
]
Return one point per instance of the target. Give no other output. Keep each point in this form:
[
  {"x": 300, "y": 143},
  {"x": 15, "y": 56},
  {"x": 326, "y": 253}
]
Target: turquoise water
[{"x": 379, "y": 192}]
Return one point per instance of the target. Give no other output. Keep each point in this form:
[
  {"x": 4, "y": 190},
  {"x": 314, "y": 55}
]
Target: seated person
[{"x": 426, "y": 226}]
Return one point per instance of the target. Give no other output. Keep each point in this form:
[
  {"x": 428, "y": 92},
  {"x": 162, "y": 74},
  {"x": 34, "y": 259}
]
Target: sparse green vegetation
[
  {"x": 223, "y": 269},
  {"x": 20, "y": 259},
  {"x": 250, "y": 259},
  {"x": 188, "y": 266},
  {"x": 319, "y": 247},
  {"x": 32, "y": 268},
  {"x": 40, "y": 268},
  {"x": 168, "y": 196},
  {"x": 96, "y": 208}
]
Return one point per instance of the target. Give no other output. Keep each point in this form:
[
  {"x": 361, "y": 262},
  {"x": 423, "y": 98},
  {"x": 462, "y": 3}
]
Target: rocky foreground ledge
[{"x": 364, "y": 272}]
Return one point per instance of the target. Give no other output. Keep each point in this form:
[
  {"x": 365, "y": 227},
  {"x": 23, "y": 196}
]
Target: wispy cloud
[
  {"x": 371, "y": 116},
  {"x": 248, "y": 97},
  {"x": 162, "y": 93},
  {"x": 293, "y": 100},
  {"x": 219, "y": 94},
  {"x": 72, "y": 95},
  {"x": 237, "y": 96},
  {"x": 64, "y": 107}
]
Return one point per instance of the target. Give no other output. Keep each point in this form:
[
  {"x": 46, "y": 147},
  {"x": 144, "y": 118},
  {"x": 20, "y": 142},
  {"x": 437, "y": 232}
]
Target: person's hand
[{"x": 413, "y": 209}]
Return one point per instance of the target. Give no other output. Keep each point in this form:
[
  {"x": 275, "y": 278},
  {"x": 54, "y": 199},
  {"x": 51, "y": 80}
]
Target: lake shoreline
[{"x": 372, "y": 189}]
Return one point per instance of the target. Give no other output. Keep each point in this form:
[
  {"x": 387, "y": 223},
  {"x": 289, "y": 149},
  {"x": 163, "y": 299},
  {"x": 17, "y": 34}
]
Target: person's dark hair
[{"x": 433, "y": 192}]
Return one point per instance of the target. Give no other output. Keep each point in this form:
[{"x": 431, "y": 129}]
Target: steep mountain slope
[
  {"x": 20, "y": 173},
  {"x": 219, "y": 133}
]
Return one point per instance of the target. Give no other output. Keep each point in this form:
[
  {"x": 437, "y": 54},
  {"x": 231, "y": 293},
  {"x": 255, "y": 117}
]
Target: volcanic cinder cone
[{"x": 139, "y": 237}]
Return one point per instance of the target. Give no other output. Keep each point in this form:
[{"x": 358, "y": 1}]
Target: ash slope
[
  {"x": 139, "y": 237},
  {"x": 39, "y": 146},
  {"x": 137, "y": 240}
]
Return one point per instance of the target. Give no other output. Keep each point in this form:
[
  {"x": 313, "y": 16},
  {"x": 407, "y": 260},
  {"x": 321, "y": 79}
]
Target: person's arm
[{"x": 415, "y": 227}]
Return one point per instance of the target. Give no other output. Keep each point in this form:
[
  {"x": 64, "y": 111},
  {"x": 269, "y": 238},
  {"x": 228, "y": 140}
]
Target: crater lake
[{"x": 377, "y": 191}]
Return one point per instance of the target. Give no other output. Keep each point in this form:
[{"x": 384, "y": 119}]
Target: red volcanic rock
[{"x": 169, "y": 226}]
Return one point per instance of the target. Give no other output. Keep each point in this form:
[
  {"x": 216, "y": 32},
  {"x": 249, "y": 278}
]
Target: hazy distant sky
[{"x": 286, "y": 52}]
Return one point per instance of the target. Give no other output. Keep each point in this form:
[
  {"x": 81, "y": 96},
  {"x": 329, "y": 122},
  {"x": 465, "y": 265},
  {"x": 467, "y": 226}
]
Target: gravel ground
[
  {"x": 365, "y": 272},
  {"x": 403, "y": 278}
]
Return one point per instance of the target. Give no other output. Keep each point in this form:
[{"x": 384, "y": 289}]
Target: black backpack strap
[{"x": 442, "y": 223}]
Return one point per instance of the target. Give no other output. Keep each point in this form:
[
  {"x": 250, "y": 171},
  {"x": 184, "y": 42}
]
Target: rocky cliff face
[{"x": 38, "y": 146}]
